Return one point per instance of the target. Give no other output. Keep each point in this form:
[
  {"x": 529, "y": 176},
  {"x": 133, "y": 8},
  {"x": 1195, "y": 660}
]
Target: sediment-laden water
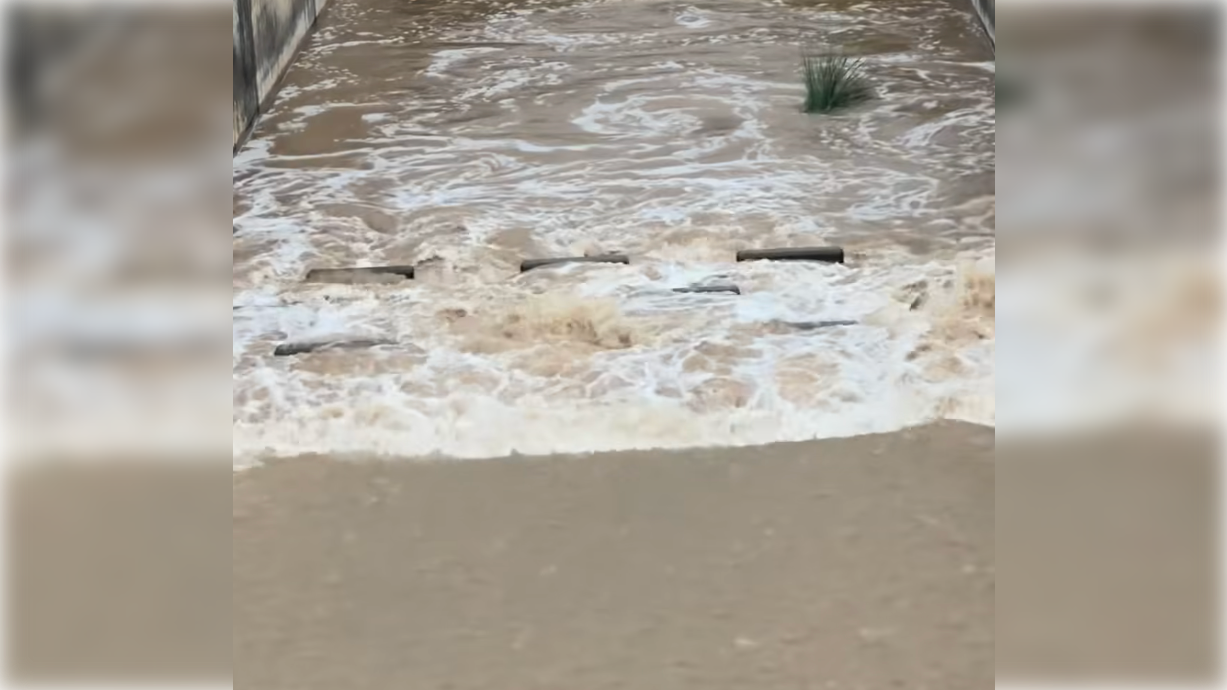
[{"x": 466, "y": 136}]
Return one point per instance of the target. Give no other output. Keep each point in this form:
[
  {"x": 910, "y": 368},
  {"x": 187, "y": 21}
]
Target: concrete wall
[
  {"x": 986, "y": 10},
  {"x": 267, "y": 34}
]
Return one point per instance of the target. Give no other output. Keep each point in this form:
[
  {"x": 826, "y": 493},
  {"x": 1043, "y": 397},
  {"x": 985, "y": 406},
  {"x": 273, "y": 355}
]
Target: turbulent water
[{"x": 463, "y": 137}]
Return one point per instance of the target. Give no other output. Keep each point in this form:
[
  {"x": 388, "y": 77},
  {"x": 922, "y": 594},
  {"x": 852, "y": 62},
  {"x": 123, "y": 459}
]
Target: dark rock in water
[
  {"x": 828, "y": 254},
  {"x": 360, "y": 275},
  {"x": 289, "y": 349},
  {"x": 699, "y": 289},
  {"x": 814, "y": 325}
]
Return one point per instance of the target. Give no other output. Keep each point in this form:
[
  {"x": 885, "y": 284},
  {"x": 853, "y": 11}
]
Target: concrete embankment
[
  {"x": 986, "y": 11},
  {"x": 267, "y": 34}
]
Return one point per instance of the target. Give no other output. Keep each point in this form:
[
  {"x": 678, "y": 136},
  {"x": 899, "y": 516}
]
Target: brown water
[
  {"x": 843, "y": 563},
  {"x": 463, "y": 137}
]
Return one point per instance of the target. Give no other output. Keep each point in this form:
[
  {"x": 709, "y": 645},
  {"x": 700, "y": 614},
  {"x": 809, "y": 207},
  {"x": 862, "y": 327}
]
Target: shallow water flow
[{"x": 465, "y": 136}]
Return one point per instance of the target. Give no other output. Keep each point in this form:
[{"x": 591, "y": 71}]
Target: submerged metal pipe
[
  {"x": 358, "y": 274},
  {"x": 831, "y": 254},
  {"x": 530, "y": 264}
]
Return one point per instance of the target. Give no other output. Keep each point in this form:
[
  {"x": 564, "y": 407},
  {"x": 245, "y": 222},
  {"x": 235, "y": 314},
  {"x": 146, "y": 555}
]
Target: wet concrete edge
[
  {"x": 267, "y": 37},
  {"x": 986, "y": 15}
]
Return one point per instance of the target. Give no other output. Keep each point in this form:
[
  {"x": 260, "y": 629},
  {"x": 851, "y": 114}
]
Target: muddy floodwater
[{"x": 464, "y": 137}]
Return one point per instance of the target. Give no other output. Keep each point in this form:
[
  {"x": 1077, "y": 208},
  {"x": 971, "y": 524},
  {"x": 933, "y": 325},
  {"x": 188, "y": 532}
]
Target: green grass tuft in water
[{"x": 833, "y": 82}]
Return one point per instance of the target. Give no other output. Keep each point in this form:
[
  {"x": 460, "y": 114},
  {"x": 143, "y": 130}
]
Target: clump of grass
[{"x": 833, "y": 82}]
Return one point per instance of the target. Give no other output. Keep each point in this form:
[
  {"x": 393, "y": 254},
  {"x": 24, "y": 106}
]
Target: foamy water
[{"x": 468, "y": 138}]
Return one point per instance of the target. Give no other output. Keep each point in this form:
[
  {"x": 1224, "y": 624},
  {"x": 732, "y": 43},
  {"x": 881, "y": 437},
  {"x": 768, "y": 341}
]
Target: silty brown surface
[{"x": 863, "y": 562}]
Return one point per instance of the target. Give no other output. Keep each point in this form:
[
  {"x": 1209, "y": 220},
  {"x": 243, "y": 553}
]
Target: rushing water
[{"x": 465, "y": 136}]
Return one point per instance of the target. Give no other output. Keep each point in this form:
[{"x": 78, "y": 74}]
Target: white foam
[
  {"x": 681, "y": 166},
  {"x": 1118, "y": 338},
  {"x": 510, "y": 404},
  {"x": 693, "y": 18},
  {"x": 444, "y": 60}
]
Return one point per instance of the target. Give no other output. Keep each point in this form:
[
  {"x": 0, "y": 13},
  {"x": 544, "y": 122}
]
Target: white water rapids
[{"x": 465, "y": 137}]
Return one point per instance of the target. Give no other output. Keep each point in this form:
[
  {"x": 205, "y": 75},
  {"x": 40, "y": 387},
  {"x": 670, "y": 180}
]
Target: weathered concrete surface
[
  {"x": 986, "y": 11},
  {"x": 267, "y": 34}
]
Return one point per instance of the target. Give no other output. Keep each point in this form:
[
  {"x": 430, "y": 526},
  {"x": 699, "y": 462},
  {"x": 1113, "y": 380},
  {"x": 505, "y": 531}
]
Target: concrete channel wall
[
  {"x": 986, "y": 11},
  {"x": 267, "y": 35}
]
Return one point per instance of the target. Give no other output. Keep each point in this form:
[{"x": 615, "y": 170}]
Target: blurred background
[
  {"x": 1109, "y": 367},
  {"x": 115, "y": 200},
  {"x": 1113, "y": 160},
  {"x": 116, "y": 386},
  {"x": 1108, "y": 144}
]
